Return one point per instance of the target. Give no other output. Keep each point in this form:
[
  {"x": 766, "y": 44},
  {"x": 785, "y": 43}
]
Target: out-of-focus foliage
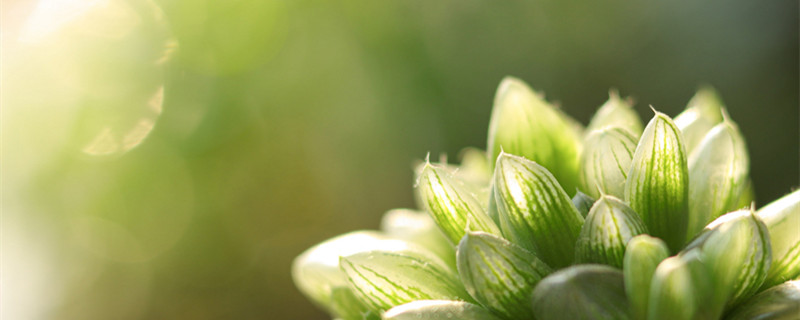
[{"x": 168, "y": 158}]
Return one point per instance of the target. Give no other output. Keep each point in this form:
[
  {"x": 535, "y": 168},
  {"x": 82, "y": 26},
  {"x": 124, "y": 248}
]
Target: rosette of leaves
[{"x": 616, "y": 221}]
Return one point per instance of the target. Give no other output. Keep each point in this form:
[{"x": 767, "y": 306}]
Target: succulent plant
[{"x": 553, "y": 221}]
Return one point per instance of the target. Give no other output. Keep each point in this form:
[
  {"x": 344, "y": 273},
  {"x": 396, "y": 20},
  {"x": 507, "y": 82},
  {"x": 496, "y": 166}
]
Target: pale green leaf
[
  {"x": 657, "y": 186},
  {"x": 499, "y": 274},
  {"x": 534, "y": 211}
]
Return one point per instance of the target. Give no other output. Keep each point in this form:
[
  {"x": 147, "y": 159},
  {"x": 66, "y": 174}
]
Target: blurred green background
[{"x": 168, "y": 159}]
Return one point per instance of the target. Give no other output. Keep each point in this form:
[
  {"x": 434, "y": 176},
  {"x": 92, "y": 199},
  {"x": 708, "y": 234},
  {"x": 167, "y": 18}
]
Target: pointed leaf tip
[
  {"x": 657, "y": 186},
  {"x": 451, "y": 204}
]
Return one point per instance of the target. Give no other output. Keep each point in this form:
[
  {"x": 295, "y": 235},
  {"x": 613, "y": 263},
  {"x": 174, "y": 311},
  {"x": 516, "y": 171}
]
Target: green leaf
[
  {"x": 781, "y": 302},
  {"x": 386, "y": 279},
  {"x": 605, "y": 161},
  {"x": 346, "y": 306},
  {"x": 583, "y": 203},
  {"x": 534, "y": 211},
  {"x": 782, "y": 218},
  {"x": 452, "y": 206},
  {"x": 608, "y": 228},
  {"x": 524, "y": 124},
  {"x": 718, "y": 172},
  {"x": 642, "y": 255},
  {"x": 438, "y": 309},
  {"x": 658, "y": 181},
  {"x": 703, "y": 112},
  {"x": 499, "y": 274},
  {"x": 418, "y": 227},
  {"x": 316, "y": 271},
  {"x": 748, "y": 195},
  {"x": 616, "y": 112},
  {"x": 736, "y": 249},
  {"x": 679, "y": 290},
  {"x": 581, "y": 292}
]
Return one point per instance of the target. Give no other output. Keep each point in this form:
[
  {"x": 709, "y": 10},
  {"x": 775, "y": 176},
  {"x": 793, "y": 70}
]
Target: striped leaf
[
  {"x": 454, "y": 208},
  {"x": 387, "y": 279},
  {"x": 616, "y": 112},
  {"x": 581, "y": 292},
  {"x": 779, "y": 302},
  {"x": 316, "y": 271},
  {"x": 782, "y": 218},
  {"x": 703, "y": 112},
  {"x": 524, "y": 124},
  {"x": 534, "y": 211},
  {"x": 736, "y": 249},
  {"x": 658, "y": 181},
  {"x": 499, "y": 274},
  {"x": 438, "y": 309},
  {"x": 718, "y": 172},
  {"x": 642, "y": 255},
  {"x": 605, "y": 161},
  {"x": 608, "y": 228}
]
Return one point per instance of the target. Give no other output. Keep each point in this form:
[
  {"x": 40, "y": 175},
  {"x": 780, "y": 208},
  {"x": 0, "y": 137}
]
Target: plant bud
[
  {"x": 316, "y": 271},
  {"x": 657, "y": 186},
  {"x": 702, "y": 113},
  {"x": 642, "y": 255},
  {"x": 524, "y": 124},
  {"x": 451, "y": 205},
  {"x": 438, "y": 309},
  {"x": 499, "y": 274},
  {"x": 616, "y": 112},
  {"x": 581, "y": 292},
  {"x": 782, "y": 218},
  {"x": 779, "y": 302},
  {"x": 386, "y": 279},
  {"x": 605, "y": 161},
  {"x": 607, "y": 229},
  {"x": 718, "y": 171},
  {"x": 534, "y": 211},
  {"x": 736, "y": 249}
]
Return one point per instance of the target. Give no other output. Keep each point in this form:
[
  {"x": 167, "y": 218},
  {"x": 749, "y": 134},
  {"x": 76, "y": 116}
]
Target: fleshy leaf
[
  {"x": 718, "y": 171},
  {"x": 736, "y": 249},
  {"x": 524, "y": 124},
  {"x": 418, "y": 227},
  {"x": 702, "y": 113},
  {"x": 581, "y": 292},
  {"x": 452, "y": 206},
  {"x": 608, "y": 228},
  {"x": 534, "y": 211},
  {"x": 782, "y": 218},
  {"x": 658, "y": 181},
  {"x": 605, "y": 161},
  {"x": 679, "y": 290},
  {"x": 499, "y": 274},
  {"x": 781, "y": 302},
  {"x": 583, "y": 203},
  {"x": 438, "y": 309},
  {"x": 616, "y": 112},
  {"x": 642, "y": 255},
  {"x": 387, "y": 279},
  {"x": 316, "y": 271},
  {"x": 346, "y": 306}
]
